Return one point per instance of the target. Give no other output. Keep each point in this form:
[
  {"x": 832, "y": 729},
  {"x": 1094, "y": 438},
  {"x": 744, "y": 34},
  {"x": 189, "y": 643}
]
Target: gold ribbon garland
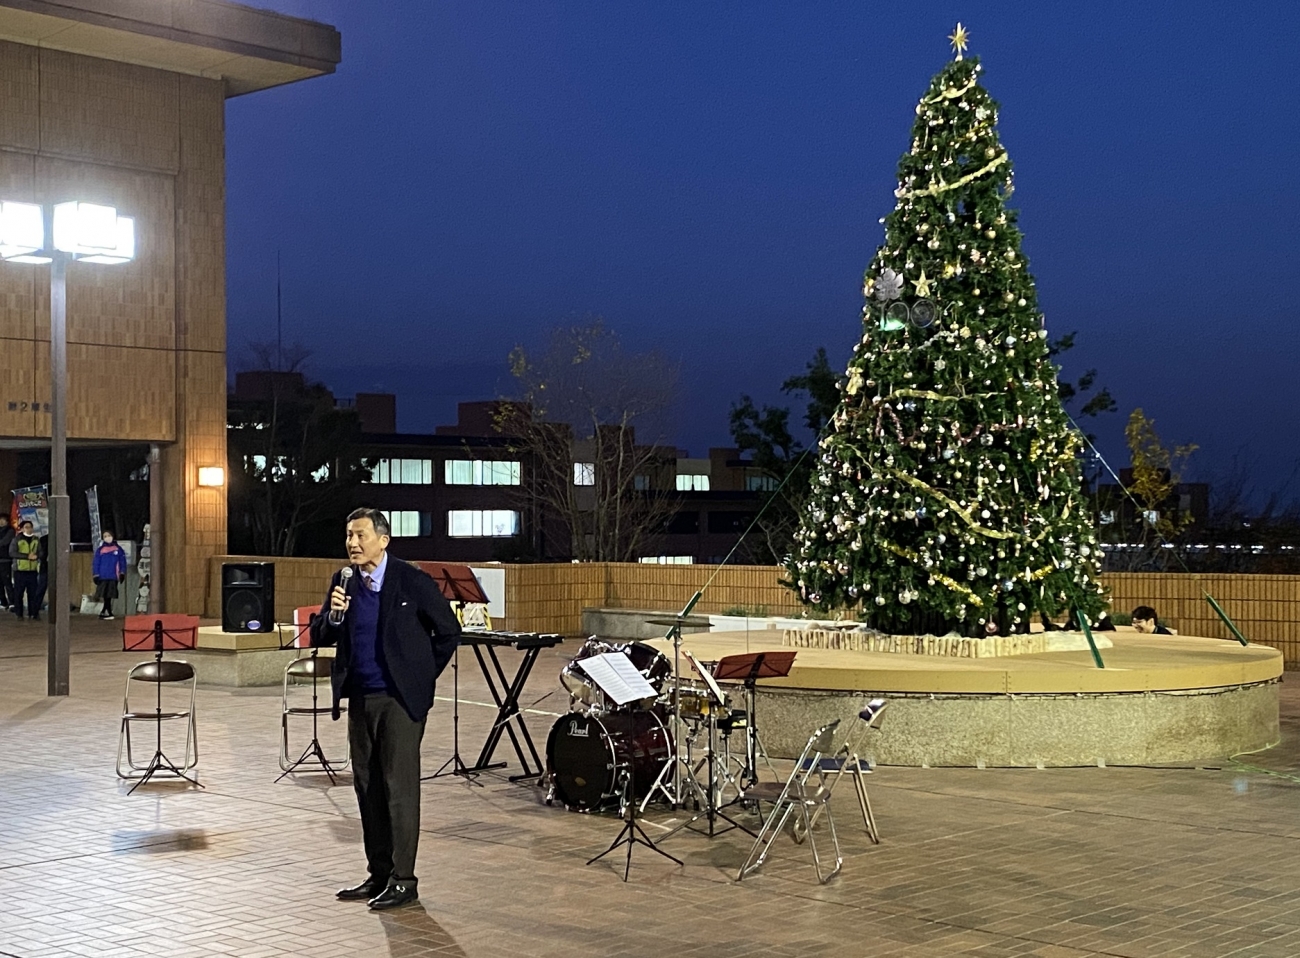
[
  {"x": 939, "y": 577},
  {"x": 934, "y": 189}
]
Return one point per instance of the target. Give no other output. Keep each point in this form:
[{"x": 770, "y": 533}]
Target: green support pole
[
  {"x": 1092, "y": 644},
  {"x": 1232, "y": 626}
]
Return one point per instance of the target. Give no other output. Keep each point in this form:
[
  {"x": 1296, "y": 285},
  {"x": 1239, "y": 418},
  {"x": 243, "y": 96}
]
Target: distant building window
[
  {"x": 408, "y": 524},
  {"x": 410, "y": 472},
  {"x": 480, "y": 472},
  {"x": 1150, "y": 516},
  {"x": 482, "y": 523},
  {"x": 692, "y": 483},
  {"x": 1107, "y": 518},
  {"x": 667, "y": 560},
  {"x": 584, "y": 473},
  {"x": 760, "y": 483},
  {"x": 641, "y": 483}
]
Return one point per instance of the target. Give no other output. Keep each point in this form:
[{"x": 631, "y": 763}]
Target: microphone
[{"x": 336, "y": 615}]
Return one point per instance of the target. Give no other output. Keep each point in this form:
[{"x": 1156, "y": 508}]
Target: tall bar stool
[
  {"x": 313, "y": 669},
  {"x": 159, "y": 633}
]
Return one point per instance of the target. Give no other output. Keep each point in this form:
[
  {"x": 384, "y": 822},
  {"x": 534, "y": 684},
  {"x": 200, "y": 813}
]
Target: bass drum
[{"x": 587, "y": 753}]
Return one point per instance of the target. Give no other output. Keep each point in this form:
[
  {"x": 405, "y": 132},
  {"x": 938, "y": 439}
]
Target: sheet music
[
  {"x": 617, "y": 677},
  {"x": 713, "y": 686}
]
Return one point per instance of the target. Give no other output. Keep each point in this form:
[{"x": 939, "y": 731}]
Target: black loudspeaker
[{"x": 247, "y": 596}]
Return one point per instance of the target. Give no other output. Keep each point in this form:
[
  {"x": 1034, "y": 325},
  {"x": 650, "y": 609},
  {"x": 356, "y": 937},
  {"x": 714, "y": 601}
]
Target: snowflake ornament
[{"x": 889, "y": 286}]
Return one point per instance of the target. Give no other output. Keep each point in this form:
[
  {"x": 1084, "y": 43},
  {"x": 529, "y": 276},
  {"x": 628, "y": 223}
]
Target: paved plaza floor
[{"x": 1059, "y": 863}]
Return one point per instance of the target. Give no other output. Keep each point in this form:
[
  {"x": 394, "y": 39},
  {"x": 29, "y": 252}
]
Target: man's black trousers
[
  {"x": 27, "y": 586},
  {"x": 385, "y": 744}
]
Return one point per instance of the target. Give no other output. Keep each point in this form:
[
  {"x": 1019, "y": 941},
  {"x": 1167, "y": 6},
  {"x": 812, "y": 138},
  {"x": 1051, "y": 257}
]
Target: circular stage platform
[{"x": 1160, "y": 699}]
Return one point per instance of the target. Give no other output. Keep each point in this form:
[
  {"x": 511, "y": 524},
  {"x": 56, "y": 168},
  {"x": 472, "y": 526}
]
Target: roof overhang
[{"x": 248, "y": 48}]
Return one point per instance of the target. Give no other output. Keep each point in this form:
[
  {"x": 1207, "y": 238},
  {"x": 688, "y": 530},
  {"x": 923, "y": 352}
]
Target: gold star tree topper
[{"x": 959, "y": 40}]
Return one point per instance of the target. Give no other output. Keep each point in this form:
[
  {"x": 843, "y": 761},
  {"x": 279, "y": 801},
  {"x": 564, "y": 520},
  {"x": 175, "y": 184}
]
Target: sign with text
[{"x": 32, "y": 504}]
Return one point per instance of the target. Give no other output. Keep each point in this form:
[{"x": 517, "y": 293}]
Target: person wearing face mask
[{"x": 108, "y": 569}]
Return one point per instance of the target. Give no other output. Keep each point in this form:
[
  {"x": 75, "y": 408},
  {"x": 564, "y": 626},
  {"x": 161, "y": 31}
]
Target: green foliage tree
[
  {"x": 947, "y": 489},
  {"x": 765, "y": 434}
]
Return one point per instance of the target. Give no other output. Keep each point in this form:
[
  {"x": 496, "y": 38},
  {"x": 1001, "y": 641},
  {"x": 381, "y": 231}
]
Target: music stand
[
  {"x": 747, "y": 668},
  {"x": 711, "y": 811},
  {"x": 168, "y": 633},
  {"x": 457, "y": 583},
  {"x": 618, "y": 679},
  {"x": 314, "y": 753}
]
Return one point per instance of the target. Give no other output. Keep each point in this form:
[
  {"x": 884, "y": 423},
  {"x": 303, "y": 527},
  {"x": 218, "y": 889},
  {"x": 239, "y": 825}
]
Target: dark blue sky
[{"x": 709, "y": 178}]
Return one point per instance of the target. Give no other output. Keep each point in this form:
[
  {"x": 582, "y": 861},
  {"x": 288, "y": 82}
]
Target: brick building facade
[{"x": 123, "y": 104}]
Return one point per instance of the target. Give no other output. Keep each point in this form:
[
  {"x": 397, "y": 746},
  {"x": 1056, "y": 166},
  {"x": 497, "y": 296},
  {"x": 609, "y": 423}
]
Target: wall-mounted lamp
[{"x": 212, "y": 476}]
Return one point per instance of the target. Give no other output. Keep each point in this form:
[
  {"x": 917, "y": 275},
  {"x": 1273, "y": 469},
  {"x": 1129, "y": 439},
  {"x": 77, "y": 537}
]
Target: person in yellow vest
[{"x": 25, "y": 551}]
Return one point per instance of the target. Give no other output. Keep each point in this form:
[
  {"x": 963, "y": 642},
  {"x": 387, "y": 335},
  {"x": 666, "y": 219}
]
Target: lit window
[
  {"x": 480, "y": 472},
  {"x": 584, "y": 473},
  {"x": 667, "y": 560},
  {"x": 482, "y": 523},
  {"x": 641, "y": 483},
  {"x": 1106, "y": 518},
  {"x": 408, "y": 523},
  {"x": 692, "y": 483},
  {"x": 411, "y": 472},
  {"x": 1150, "y": 516},
  {"x": 760, "y": 483},
  {"x": 322, "y": 474}
]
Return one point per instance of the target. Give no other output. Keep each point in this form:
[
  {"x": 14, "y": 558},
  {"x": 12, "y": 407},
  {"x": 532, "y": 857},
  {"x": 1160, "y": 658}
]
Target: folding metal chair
[
  {"x": 801, "y": 792},
  {"x": 159, "y": 673},
  {"x": 308, "y": 670},
  {"x": 849, "y": 762}
]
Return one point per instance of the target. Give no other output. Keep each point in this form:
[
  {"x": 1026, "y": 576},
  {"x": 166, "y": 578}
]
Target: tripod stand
[
  {"x": 313, "y": 755},
  {"x": 712, "y": 807},
  {"x": 670, "y": 780},
  {"x": 456, "y": 763},
  {"x": 632, "y": 832}
]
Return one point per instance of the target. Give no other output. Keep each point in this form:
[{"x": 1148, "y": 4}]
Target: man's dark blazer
[{"x": 418, "y": 633}]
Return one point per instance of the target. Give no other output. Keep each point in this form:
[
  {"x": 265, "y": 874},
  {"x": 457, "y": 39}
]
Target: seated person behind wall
[{"x": 1145, "y": 621}]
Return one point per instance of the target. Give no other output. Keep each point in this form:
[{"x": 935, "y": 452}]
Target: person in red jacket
[{"x": 108, "y": 569}]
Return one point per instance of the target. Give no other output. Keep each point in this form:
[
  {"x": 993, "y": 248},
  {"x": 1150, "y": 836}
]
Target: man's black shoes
[
  {"x": 395, "y": 896},
  {"x": 367, "y": 890}
]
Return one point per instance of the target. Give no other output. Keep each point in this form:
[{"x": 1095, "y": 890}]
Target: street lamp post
[{"x": 90, "y": 233}]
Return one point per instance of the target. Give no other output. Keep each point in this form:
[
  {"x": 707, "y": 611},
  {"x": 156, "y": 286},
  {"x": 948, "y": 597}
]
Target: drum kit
[{"x": 675, "y": 745}]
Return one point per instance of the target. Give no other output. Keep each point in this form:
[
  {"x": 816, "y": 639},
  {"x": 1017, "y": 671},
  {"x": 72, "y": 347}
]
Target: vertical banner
[
  {"x": 96, "y": 529},
  {"x": 32, "y": 504}
]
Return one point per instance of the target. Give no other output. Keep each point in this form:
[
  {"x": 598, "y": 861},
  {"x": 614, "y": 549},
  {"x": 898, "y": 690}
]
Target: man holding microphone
[{"x": 395, "y": 633}]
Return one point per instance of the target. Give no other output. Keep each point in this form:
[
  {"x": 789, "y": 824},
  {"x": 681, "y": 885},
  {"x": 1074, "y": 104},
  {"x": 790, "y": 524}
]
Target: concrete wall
[
  {"x": 146, "y": 340},
  {"x": 551, "y": 598}
]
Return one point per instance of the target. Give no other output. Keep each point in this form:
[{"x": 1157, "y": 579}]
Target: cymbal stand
[
  {"x": 670, "y": 779},
  {"x": 711, "y": 811}
]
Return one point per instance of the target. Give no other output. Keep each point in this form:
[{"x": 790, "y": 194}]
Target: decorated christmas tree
[{"x": 947, "y": 493}]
